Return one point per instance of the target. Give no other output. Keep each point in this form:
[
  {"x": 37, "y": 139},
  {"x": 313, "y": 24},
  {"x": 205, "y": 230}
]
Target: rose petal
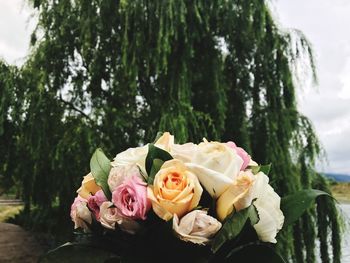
[
  {"x": 132, "y": 156},
  {"x": 165, "y": 142},
  {"x": 178, "y": 197},
  {"x": 196, "y": 227},
  {"x": 215, "y": 183}
]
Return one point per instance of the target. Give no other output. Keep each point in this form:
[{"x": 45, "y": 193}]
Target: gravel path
[{"x": 17, "y": 245}]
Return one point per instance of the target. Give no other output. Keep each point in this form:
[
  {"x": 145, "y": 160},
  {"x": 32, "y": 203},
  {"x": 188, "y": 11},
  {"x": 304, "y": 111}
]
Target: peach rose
[
  {"x": 241, "y": 194},
  {"x": 88, "y": 187},
  {"x": 175, "y": 190}
]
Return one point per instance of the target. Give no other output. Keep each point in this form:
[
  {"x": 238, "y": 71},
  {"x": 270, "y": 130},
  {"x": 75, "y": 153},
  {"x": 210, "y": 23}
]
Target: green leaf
[
  {"x": 100, "y": 166},
  {"x": 157, "y": 164},
  {"x": 265, "y": 168},
  {"x": 233, "y": 226},
  {"x": 74, "y": 252},
  {"x": 154, "y": 161},
  {"x": 294, "y": 205},
  {"x": 254, "y": 253},
  {"x": 261, "y": 168}
]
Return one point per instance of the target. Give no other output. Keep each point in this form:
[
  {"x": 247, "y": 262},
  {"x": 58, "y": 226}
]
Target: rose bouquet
[{"x": 168, "y": 202}]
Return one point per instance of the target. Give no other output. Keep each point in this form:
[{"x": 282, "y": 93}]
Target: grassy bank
[
  {"x": 7, "y": 212},
  {"x": 341, "y": 192}
]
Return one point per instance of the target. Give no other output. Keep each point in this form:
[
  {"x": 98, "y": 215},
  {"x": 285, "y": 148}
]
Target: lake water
[
  {"x": 346, "y": 242},
  {"x": 345, "y": 208}
]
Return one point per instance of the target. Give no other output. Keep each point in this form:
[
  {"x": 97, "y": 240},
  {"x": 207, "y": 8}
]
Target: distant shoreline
[
  {"x": 341, "y": 192},
  {"x": 339, "y": 178}
]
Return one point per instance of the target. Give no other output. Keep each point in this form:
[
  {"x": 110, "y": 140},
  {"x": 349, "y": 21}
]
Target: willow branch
[{"x": 72, "y": 107}]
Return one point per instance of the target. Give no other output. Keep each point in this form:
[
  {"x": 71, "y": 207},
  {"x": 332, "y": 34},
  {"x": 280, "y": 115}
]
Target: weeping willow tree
[{"x": 112, "y": 73}]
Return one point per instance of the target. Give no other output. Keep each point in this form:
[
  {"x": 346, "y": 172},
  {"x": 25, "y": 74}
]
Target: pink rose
[
  {"x": 119, "y": 173},
  {"x": 80, "y": 214},
  {"x": 95, "y": 201},
  {"x": 242, "y": 153},
  {"x": 130, "y": 198}
]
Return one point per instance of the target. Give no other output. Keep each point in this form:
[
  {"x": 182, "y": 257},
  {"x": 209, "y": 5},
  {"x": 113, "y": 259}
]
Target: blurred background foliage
[{"x": 111, "y": 73}]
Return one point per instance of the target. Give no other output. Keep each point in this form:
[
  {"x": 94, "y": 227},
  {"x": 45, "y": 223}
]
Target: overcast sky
[
  {"x": 326, "y": 24},
  {"x": 16, "y": 26}
]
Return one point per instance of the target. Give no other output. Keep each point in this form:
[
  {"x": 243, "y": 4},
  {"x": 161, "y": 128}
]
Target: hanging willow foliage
[{"x": 111, "y": 73}]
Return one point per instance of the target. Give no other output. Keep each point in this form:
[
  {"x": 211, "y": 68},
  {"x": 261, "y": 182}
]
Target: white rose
[
  {"x": 270, "y": 214},
  {"x": 246, "y": 188},
  {"x": 132, "y": 156},
  {"x": 196, "y": 227},
  {"x": 119, "y": 173},
  {"x": 110, "y": 218},
  {"x": 216, "y": 166}
]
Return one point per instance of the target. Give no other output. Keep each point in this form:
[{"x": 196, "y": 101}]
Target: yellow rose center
[
  {"x": 245, "y": 181},
  {"x": 172, "y": 185},
  {"x": 174, "y": 181}
]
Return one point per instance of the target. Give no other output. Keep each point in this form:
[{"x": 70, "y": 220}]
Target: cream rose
[
  {"x": 88, "y": 187},
  {"x": 184, "y": 152},
  {"x": 132, "y": 156},
  {"x": 175, "y": 190},
  {"x": 196, "y": 227},
  {"x": 216, "y": 166},
  {"x": 138, "y": 155},
  {"x": 111, "y": 218},
  {"x": 246, "y": 188},
  {"x": 119, "y": 173},
  {"x": 109, "y": 215},
  {"x": 165, "y": 142}
]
